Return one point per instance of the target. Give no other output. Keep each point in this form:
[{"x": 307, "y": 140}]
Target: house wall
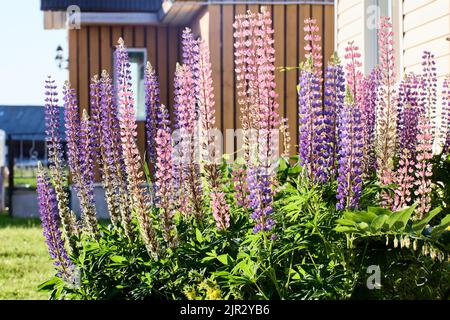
[
  {"x": 426, "y": 24},
  {"x": 91, "y": 48},
  {"x": 418, "y": 26}
]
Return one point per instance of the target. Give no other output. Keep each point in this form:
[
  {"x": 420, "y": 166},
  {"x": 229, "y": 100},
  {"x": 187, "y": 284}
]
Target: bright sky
[{"x": 27, "y": 53}]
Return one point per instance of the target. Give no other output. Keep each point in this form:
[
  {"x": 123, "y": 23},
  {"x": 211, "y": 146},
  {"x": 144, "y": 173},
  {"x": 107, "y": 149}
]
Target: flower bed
[{"x": 365, "y": 194}]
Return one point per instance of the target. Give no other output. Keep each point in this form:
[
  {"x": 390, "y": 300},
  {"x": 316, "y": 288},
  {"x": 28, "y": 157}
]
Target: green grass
[
  {"x": 24, "y": 260},
  {"x": 29, "y": 182}
]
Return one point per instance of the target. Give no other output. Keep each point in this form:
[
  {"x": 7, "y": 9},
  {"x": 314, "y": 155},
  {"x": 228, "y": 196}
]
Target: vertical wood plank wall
[
  {"x": 91, "y": 49},
  {"x": 289, "y": 48}
]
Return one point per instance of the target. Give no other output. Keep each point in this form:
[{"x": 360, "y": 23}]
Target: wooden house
[{"x": 152, "y": 29}]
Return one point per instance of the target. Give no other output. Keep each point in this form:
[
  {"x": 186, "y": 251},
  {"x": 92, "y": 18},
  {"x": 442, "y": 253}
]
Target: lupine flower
[
  {"x": 313, "y": 48},
  {"x": 317, "y": 120},
  {"x": 99, "y": 146},
  {"x": 152, "y": 103},
  {"x": 425, "y": 136},
  {"x": 408, "y": 116},
  {"x": 256, "y": 89},
  {"x": 86, "y": 158},
  {"x": 446, "y": 114},
  {"x": 132, "y": 159},
  {"x": 163, "y": 174},
  {"x": 260, "y": 198},
  {"x": 350, "y": 136},
  {"x": 205, "y": 101},
  {"x": 369, "y": 89},
  {"x": 240, "y": 185},
  {"x": 112, "y": 163},
  {"x": 78, "y": 138},
  {"x": 48, "y": 212},
  {"x": 334, "y": 94},
  {"x": 284, "y": 131},
  {"x": 55, "y": 157},
  {"x": 187, "y": 171},
  {"x": 387, "y": 113},
  {"x": 220, "y": 210}
]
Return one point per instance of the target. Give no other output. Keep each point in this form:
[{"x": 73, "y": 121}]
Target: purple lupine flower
[
  {"x": 112, "y": 163},
  {"x": 408, "y": 114},
  {"x": 369, "y": 89},
  {"x": 350, "y": 136},
  {"x": 152, "y": 103},
  {"x": 260, "y": 199},
  {"x": 446, "y": 114},
  {"x": 163, "y": 175},
  {"x": 48, "y": 212},
  {"x": 407, "y": 123},
  {"x": 86, "y": 163},
  {"x": 240, "y": 185},
  {"x": 99, "y": 145},
  {"x": 310, "y": 120},
  {"x": 55, "y": 157},
  {"x": 334, "y": 94},
  {"x": 136, "y": 185},
  {"x": 79, "y": 159}
]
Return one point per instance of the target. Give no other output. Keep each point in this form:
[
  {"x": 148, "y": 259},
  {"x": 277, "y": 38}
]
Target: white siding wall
[
  {"x": 350, "y": 24},
  {"x": 426, "y": 24}
]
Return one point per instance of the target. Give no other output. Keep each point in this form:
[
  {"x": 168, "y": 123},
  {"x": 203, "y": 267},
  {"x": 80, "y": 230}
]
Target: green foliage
[{"x": 315, "y": 252}]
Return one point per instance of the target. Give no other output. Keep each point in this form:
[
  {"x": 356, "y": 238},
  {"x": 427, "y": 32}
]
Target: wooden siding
[{"x": 91, "y": 49}]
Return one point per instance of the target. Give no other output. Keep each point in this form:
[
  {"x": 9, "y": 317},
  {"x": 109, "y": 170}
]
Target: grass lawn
[{"x": 24, "y": 260}]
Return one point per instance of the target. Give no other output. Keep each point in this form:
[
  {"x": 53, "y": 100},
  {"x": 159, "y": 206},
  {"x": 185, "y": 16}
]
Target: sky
[{"x": 27, "y": 53}]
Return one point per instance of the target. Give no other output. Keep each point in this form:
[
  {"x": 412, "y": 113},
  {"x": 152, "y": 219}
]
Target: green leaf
[
  {"x": 199, "y": 236},
  {"x": 403, "y": 218},
  {"x": 398, "y": 219},
  {"x": 445, "y": 222},
  {"x": 346, "y": 222},
  {"x": 118, "y": 259},
  {"x": 345, "y": 229},
  {"x": 418, "y": 226},
  {"x": 50, "y": 284},
  {"x": 378, "y": 223},
  {"x": 224, "y": 258}
]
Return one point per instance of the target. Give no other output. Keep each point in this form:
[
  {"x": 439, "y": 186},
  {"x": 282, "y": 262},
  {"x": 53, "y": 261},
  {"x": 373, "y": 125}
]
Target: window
[{"x": 138, "y": 58}]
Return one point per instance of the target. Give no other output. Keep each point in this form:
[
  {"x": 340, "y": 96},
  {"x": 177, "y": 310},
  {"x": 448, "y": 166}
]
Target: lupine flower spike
[
  {"x": 136, "y": 185},
  {"x": 48, "y": 212},
  {"x": 350, "y": 136},
  {"x": 386, "y": 113},
  {"x": 79, "y": 154},
  {"x": 425, "y": 135},
  {"x": 112, "y": 156},
  {"x": 55, "y": 157}
]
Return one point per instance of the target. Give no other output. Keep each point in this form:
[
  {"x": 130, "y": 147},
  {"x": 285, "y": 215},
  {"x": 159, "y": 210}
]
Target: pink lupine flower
[
  {"x": 255, "y": 68},
  {"x": 446, "y": 114},
  {"x": 425, "y": 136},
  {"x": 220, "y": 210},
  {"x": 132, "y": 159},
  {"x": 163, "y": 175},
  {"x": 386, "y": 113}
]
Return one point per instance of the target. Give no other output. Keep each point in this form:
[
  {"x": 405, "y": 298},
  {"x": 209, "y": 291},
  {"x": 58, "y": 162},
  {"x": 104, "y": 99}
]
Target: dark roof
[
  {"x": 25, "y": 121},
  {"x": 103, "y": 5}
]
